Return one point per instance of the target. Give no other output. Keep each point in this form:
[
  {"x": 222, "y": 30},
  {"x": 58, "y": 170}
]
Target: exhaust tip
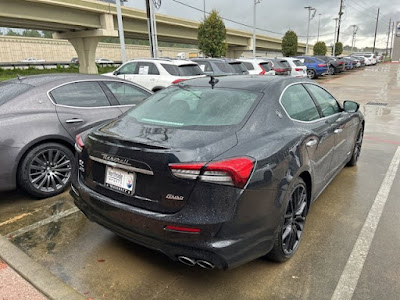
[
  {"x": 187, "y": 261},
  {"x": 205, "y": 264}
]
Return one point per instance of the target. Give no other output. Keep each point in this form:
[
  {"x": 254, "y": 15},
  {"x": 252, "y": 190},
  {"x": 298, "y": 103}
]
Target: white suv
[
  {"x": 257, "y": 66},
  {"x": 298, "y": 68},
  {"x": 156, "y": 74}
]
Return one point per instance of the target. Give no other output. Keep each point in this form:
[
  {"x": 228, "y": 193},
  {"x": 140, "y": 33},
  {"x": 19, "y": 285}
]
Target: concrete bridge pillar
[
  {"x": 85, "y": 42},
  {"x": 86, "y": 50}
]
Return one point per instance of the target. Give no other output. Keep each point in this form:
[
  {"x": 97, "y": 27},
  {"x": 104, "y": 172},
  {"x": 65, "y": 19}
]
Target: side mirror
[
  {"x": 350, "y": 106},
  {"x": 116, "y": 72}
]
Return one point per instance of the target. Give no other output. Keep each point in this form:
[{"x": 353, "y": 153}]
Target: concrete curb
[{"x": 40, "y": 277}]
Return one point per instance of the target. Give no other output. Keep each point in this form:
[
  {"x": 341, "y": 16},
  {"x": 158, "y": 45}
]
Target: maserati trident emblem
[{"x": 173, "y": 197}]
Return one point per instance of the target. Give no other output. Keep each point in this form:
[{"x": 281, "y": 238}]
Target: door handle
[
  {"x": 338, "y": 130},
  {"x": 74, "y": 120},
  {"x": 311, "y": 143}
]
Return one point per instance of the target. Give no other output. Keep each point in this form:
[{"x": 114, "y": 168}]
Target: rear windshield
[
  {"x": 266, "y": 65},
  {"x": 183, "y": 106},
  {"x": 224, "y": 67},
  {"x": 298, "y": 63},
  {"x": 249, "y": 65},
  {"x": 10, "y": 90},
  {"x": 238, "y": 67},
  {"x": 283, "y": 63},
  {"x": 183, "y": 70}
]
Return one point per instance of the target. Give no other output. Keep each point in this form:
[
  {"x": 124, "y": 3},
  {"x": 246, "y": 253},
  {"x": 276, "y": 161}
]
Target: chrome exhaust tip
[
  {"x": 187, "y": 261},
  {"x": 205, "y": 264}
]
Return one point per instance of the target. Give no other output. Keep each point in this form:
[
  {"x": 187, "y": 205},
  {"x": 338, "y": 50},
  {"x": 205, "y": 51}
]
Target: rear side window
[
  {"x": 183, "y": 70},
  {"x": 171, "y": 69},
  {"x": 184, "y": 106},
  {"x": 299, "y": 104},
  {"x": 126, "y": 94},
  {"x": 9, "y": 90},
  {"x": 249, "y": 65},
  {"x": 328, "y": 104},
  {"x": 298, "y": 63},
  {"x": 80, "y": 94},
  {"x": 238, "y": 67}
]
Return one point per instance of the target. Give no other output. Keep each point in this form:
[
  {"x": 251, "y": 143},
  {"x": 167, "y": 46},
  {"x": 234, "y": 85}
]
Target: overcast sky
[{"x": 281, "y": 15}]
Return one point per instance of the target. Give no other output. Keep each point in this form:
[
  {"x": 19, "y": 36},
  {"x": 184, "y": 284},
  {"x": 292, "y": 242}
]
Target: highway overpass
[{"x": 84, "y": 22}]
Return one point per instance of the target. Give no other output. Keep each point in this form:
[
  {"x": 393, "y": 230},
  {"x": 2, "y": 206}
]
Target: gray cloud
[{"x": 281, "y": 15}]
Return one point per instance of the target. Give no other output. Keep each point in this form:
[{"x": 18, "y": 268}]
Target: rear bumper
[{"x": 214, "y": 244}]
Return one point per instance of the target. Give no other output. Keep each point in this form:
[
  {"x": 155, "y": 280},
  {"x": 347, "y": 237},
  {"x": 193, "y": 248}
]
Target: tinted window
[
  {"x": 205, "y": 66},
  {"x": 80, "y": 94},
  {"x": 224, "y": 67},
  {"x": 284, "y": 63},
  {"x": 267, "y": 66},
  {"x": 189, "y": 70},
  {"x": 299, "y": 104},
  {"x": 249, "y": 65},
  {"x": 298, "y": 63},
  {"x": 195, "y": 106},
  {"x": 126, "y": 94},
  {"x": 328, "y": 104},
  {"x": 308, "y": 61},
  {"x": 146, "y": 68},
  {"x": 9, "y": 91},
  {"x": 128, "y": 68},
  {"x": 238, "y": 67}
]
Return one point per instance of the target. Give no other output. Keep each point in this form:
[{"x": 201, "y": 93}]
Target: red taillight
[
  {"x": 178, "y": 80},
  {"x": 321, "y": 65},
  {"x": 79, "y": 144},
  {"x": 234, "y": 171},
  {"x": 298, "y": 69},
  {"x": 182, "y": 229},
  {"x": 280, "y": 70},
  {"x": 263, "y": 70}
]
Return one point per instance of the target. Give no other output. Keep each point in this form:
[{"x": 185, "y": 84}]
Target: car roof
[
  {"x": 256, "y": 83},
  {"x": 48, "y": 79}
]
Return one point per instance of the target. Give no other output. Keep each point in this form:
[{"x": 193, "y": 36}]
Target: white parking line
[
  {"x": 352, "y": 271},
  {"x": 38, "y": 224}
]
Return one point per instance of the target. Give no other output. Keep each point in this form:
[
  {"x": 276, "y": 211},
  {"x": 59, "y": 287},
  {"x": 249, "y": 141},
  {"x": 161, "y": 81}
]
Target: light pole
[
  {"x": 319, "y": 20},
  {"x": 204, "y": 6},
  {"x": 254, "y": 27},
  {"x": 355, "y": 28},
  {"x": 334, "y": 36},
  {"x": 308, "y": 23},
  {"x": 151, "y": 25},
  {"x": 121, "y": 30}
]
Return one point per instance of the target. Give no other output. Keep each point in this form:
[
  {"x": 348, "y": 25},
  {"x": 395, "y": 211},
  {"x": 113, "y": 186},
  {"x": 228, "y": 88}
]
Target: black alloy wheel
[
  {"x": 331, "y": 70},
  {"x": 357, "y": 148},
  {"x": 294, "y": 218},
  {"x": 46, "y": 170}
]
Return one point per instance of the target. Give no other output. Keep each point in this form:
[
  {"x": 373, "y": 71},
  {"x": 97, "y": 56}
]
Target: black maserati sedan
[{"x": 217, "y": 172}]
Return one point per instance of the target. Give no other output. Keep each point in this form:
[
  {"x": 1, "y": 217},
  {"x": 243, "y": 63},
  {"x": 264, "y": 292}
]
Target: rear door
[
  {"x": 319, "y": 139},
  {"x": 147, "y": 75},
  {"x": 82, "y": 105},
  {"x": 343, "y": 126}
]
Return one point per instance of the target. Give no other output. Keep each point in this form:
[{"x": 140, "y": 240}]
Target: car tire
[
  {"x": 289, "y": 233},
  {"x": 46, "y": 170},
  {"x": 331, "y": 70},
  {"x": 311, "y": 74},
  {"x": 357, "y": 148}
]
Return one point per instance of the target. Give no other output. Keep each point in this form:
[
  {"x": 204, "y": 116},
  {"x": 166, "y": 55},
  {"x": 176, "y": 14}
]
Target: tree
[
  {"x": 31, "y": 33},
  {"x": 212, "y": 35},
  {"x": 11, "y": 32},
  {"x": 320, "y": 48},
  {"x": 289, "y": 44},
  {"x": 47, "y": 34},
  {"x": 338, "y": 48}
]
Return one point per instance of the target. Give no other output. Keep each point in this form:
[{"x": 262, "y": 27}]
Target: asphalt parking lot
[{"x": 339, "y": 241}]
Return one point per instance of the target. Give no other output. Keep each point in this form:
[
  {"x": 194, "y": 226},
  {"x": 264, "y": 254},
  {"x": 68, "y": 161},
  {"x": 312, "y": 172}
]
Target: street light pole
[
  {"x": 334, "y": 36},
  {"x": 355, "y": 28},
  {"x": 254, "y": 27},
  {"x": 319, "y": 20},
  {"x": 121, "y": 31},
  {"x": 204, "y": 6},
  {"x": 308, "y": 23}
]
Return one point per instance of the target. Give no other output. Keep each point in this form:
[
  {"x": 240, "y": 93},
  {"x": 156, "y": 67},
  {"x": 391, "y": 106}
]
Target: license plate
[{"x": 120, "y": 180}]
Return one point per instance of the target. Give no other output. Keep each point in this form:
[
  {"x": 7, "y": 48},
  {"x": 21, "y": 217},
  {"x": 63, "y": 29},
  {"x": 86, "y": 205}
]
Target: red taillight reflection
[
  {"x": 234, "y": 171},
  {"x": 79, "y": 144},
  {"x": 298, "y": 69},
  {"x": 178, "y": 80},
  {"x": 321, "y": 65},
  {"x": 182, "y": 229}
]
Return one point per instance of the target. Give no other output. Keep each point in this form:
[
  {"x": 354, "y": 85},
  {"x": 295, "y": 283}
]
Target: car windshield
[
  {"x": 183, "y": 106},
  {"x": 10, "y": 90},
  {"x": 183, "y": 70}
]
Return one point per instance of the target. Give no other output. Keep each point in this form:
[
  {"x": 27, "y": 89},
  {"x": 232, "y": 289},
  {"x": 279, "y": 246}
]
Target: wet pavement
[{"x": 100, "y": 265}]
